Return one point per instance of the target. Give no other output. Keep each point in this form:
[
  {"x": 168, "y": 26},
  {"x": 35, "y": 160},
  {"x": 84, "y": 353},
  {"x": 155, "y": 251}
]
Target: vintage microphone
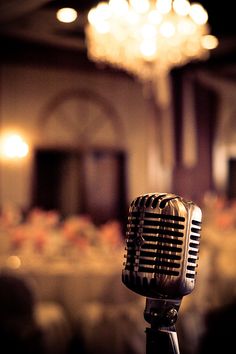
[{"x": 163, "y": 236}]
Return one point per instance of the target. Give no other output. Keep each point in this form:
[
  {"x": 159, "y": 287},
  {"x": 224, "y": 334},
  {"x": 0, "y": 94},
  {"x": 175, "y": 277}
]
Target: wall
[{"x": 27, "y": 92}]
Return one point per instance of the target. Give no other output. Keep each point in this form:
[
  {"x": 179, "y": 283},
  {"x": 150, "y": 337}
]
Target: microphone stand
[{"x": 161, "y": 337}]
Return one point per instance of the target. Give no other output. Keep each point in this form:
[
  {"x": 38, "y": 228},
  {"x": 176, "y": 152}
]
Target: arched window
[{"x": 80, "y": 163}]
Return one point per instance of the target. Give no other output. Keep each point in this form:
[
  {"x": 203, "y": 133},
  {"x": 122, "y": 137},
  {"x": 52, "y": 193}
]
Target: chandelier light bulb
[
  {"x": 164, "y": 6},
  {"x": 103, "y": 11},
  {"x": 198, "y": 14},
  {"x": 140, "y": 6},
  {"x": 148, "y": 31},
  {"x": 181, "y": 7},
  {"x": 92, "y": 16},
  {"x": 154, "y": 17},
  {"x": 186, "y": 27},
  {"x": 209, "y": 42},
  {"x": 148, "y": 49},
  {"x": 119, "y": 8},
  {"x": 133, "y": 17},
  {"x": 167, "y": 29}
]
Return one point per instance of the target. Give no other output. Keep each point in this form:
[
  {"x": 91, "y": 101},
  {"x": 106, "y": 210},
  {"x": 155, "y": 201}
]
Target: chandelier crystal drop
[{"x": 148, "y": 38}]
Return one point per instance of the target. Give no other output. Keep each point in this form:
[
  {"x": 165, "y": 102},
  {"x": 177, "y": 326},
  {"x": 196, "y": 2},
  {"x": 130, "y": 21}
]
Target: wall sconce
[{"x": 13, "y": 146}]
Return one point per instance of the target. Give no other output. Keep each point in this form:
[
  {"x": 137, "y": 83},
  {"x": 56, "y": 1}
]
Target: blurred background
[{"x": 90, "y": 118}]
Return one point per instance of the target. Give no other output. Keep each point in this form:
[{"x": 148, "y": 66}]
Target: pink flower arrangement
[
  {"x": 78, "y": 230},
  {"x": 42, "y": 230},
  {"x": 111, "y": 234}
]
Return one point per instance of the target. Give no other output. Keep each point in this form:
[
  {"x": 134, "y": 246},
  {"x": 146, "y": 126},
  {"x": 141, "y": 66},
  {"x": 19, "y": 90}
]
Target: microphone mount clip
[
  {"x": 161, "y": 312},
  {"x": 162, "y": 315}
]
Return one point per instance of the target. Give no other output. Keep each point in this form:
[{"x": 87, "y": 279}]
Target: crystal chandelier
[{"x": 148, "y": 38}]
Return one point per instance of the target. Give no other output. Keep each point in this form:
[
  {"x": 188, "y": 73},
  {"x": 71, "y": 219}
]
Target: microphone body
[{"x": 162, "y": 246}]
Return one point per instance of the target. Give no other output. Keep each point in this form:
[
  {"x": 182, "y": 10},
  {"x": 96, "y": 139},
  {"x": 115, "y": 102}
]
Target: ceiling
[{"x": 34, "y": 22}]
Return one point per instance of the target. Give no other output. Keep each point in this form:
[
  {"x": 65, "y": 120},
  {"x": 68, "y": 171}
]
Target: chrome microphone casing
[{"x": 162, "y": 246}]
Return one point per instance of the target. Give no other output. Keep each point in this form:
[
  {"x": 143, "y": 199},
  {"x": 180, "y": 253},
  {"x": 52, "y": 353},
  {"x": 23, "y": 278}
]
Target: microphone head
[{"x": 162, "y": 246}]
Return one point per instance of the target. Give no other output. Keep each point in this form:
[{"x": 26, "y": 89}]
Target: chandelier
[{"x": 148, "y": 38}]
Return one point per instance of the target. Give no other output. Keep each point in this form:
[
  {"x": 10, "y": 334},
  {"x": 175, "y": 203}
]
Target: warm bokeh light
[
  {"x": 198, "y": 14},
  {"x": 148, "y": 49},
  {"x": 13, "y": 262},
  {"x": 13, "y": 146},
  {"x": 119, "y": 7},
  {"x": 210, "y": 42},
  {"x": 181, "y": 7},
  {"x": 67, "y": 15},
  {"x": 147, "y": 38},
  {"x": 164, "y": 6},
  {"x": 167, "y": 29},
  {"x": 140, "y": 6}
]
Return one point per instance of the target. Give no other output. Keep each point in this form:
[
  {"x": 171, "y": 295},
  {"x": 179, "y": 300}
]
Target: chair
[{"x": 19, "y": 332}]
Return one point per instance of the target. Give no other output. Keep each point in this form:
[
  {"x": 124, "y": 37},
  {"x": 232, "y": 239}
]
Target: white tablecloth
[{"x": 99, "y": 308}]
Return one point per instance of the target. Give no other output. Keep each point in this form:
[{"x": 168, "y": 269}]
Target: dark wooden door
[
  {"x": 91, "y": 182},
  {"x": 105, "y": 185},
  {"x": 231, "y": 188},
  {"x": 58, "y": 181}
]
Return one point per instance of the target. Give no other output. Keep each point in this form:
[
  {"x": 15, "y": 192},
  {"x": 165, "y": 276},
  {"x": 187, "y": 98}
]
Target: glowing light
[
  {"x": 141, "y": 6},
  {"x": 148, "y": 49},
  {"x": 13, "y": 146},
  {"x": 154, "y": 17},
  {"x": 13, "y": 262},
  {"x": 181, "y": 7},
  {"x": 167, "y": 29},
  {"x": 148, "y": 31},
  {"x": 198, "y": 14},
  {"x": 147, "y": 38},
  {"x": 164, "y": 6},
  {"x": 118, "y": 7},
  {"x": 66, "y": 15},
  {"x": 209, "y": 42}
]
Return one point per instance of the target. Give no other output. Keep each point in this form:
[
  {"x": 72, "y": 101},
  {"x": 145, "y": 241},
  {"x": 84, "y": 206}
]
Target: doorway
[
  {"x": 81, "y": 182},
  {"x": 231, "y": 185}
]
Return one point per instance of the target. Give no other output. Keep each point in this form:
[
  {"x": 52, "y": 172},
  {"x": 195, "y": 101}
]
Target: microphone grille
[
  {"x": 193, "y": 250},
  {"x": 163, "y": 237}
]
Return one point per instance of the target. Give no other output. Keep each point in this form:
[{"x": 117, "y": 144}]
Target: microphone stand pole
[{"x": 161, "y": 337}]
